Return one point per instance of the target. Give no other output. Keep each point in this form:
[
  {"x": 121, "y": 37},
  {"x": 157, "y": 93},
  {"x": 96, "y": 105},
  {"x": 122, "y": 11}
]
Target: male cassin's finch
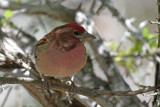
[{"x": 61, "y": 52}]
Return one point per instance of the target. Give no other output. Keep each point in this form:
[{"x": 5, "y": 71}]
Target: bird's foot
[
  {"x": 46, "y": 86},
  {"x": 73, "y": 89},
  {"x": 46, "y": 83}
]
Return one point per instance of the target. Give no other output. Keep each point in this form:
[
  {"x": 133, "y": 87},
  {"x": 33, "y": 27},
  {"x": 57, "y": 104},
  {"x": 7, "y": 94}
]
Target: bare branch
[
  {"x": 9, "y": 90},
  {"x": 154, "y": 22},
  {"x": 156, "y": 101},
  {"x": 125, "y": 22},
  {"x": 57, "y": 86},
  {"x": 53, "y": 10},
  {"x": 91, "y": 93}
]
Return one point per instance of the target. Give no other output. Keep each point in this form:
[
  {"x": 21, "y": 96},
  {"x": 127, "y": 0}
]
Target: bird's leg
[
  {"x": 74, "y": 89},
  {"x": 46, "y": 83},
  {"x": 46, "y": 86}
]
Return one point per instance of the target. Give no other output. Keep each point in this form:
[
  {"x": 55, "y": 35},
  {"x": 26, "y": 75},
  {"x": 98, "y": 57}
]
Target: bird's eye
[{"x": 76, "y": 32}]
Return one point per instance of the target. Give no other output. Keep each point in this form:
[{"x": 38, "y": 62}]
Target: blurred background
[{"x": 116, "y": 39}]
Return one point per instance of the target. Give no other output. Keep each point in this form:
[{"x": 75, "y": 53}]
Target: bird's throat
[{"x": 67, "y": 45}]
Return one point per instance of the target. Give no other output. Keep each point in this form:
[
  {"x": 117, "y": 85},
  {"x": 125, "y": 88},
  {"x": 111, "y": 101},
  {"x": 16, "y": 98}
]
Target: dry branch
[
  {"x": 125, "y": 22},
  {"x": 91, "y": 93},
  {"x": 53, "y": 10},
  {"x": 156, "y": 101}
]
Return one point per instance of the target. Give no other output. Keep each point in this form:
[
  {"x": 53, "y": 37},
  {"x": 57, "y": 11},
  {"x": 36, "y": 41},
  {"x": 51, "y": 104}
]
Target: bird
[{"x": 61, "y": 52}]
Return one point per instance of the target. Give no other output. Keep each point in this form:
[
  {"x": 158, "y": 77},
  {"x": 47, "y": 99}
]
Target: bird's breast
[{"x": 54, "y": 62}]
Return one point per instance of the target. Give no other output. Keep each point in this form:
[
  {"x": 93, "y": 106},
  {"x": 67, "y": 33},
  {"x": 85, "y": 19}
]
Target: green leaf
[
  {"x": 145, "y": 32},
  {"x": 121, "y": 53},
  {"x": 17, "y": 1},
  {"x": 129, "y": 62},
  {"x": 138, "y": 46},
  {"x": 112, "y": 45},
  {"x": 89, "y": 69},
  {"x": 8, "y": 13},
  {"x": 4, "y": 21},
  {"x": 117, "y": 59},
  {"x": 36, "y": 30},
  {"x": 108, "y": 44},
  {"x": 152, "y": 39}
]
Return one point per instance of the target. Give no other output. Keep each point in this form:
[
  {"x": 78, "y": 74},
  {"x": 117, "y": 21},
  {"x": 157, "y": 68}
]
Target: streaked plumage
[{"x": 61, "y": 52}]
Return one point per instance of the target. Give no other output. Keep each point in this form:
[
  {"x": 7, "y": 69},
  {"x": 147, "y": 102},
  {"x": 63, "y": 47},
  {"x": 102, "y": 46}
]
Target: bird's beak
[{"x": 87, "y": 37}]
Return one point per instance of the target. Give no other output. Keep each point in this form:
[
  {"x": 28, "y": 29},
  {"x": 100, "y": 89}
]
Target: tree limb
[
  {"x": 53, "y": 10},
  {"x": 60, "y": 86},
  {"x": 156, "y": 101}
]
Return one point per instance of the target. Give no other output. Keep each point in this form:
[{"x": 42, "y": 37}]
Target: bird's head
[
  {"x": 66, "y": 37},
  {"x": 80, "y": 33}
]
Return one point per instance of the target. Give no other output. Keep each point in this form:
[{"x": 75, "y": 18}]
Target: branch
[
  {"x": 156, "y": 101},
  {"x": 8, "y": 93},
  {"x": 113, "y": 74},
  {"x": 154, "y": 22},
  {"x": 17, "y": 57},
  {"x": 91, "y": 93},
  {"x": 125, "y": 22},
  {"x": 127, "y": 93},
  {"x": 151, "y": 53},
  {"x": 53, "y": 10},
  {"x": 106, "y": 65}
]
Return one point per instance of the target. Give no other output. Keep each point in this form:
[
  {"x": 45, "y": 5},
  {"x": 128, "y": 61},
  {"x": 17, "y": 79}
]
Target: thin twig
[
  {"x": 154, "y": 22},
  {"x": 6, "y": 97},
  {"x": 92, "y": 7},
  {"x": 132, "y": 29}
]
